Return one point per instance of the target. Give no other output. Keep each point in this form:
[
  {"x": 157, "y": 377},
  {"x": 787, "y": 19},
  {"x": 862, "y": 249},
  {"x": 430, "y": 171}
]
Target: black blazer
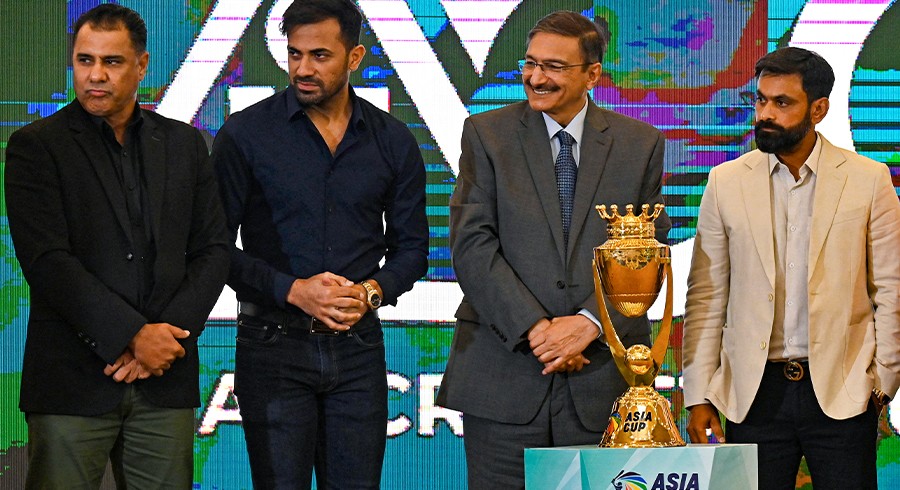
[{"x": 69, "y": 224}]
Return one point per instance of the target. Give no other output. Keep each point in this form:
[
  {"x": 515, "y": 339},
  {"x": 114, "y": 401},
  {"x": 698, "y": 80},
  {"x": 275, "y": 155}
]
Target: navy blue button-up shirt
[{"x": 302, "y": 211}]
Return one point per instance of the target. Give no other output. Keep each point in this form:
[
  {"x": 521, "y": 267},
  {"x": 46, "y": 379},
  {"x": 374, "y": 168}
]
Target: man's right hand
[
  {"x": 703, "y": 417},
  {"x": 326, "y": 296},
  {"x": 156, "y": 346}
]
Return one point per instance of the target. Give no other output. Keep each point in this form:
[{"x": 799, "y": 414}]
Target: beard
[
  {"x": 321, "y": 95},
  {"x": 781, "y": 139}
]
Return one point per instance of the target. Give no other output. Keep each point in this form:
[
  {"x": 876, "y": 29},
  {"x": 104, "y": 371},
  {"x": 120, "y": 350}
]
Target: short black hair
[
  {"x": 345, "y": 12},
  {"x": 112, "y": 17},
  {"x": 814, "y": 71},
  {"x": 592, "y": 36}
]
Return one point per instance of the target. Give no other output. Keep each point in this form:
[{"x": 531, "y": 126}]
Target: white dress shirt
[{"x": 792, "y": 208}]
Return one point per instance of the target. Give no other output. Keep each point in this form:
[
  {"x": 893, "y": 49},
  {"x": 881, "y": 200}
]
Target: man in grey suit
[{"x": 526, "y": 365}]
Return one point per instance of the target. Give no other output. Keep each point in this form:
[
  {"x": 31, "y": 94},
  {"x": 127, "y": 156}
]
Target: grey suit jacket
[{"x": 507, "y": 246}]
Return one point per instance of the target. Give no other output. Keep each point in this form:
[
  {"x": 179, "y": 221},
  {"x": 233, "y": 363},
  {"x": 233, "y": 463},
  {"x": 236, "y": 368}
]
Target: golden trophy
[{"x": 629, "y": 269}]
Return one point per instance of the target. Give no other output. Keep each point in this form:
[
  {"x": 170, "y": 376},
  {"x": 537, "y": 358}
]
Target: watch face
[{"x": 375, "y": 299}]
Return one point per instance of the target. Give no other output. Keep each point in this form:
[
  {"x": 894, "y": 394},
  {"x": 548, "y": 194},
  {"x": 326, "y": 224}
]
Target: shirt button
[
  {"x": 560, "y": 284},
  {"x": 790, "y": 303},
  {"x": 129, "y": 257},
  {"x": 771, "y": 297},
  {"x": 793, "y": 228},
  {"x": 791, "y": 265},
  {"x": 328, "y": 248},
  {"x": 762, "y": 345}
]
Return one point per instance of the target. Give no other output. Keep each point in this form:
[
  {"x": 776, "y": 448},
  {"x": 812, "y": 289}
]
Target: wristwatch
[
  {"x": 373, "y": 299},
  {"x": 880, "y": 397}
]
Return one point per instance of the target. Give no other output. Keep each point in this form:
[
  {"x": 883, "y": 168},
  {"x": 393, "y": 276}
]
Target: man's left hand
[
  {"x": 560, "y": 341},
  {"x": 363, "y": 307},
  {"x": 126, "y": 368}
]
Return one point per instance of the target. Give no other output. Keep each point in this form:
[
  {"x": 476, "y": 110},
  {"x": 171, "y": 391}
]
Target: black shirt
[
  {"x": 302, "y": 211},
  {"x": 127, "y": 160}
]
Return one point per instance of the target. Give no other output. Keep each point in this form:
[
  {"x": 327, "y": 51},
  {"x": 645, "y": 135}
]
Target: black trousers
[{"x": 786, "y": 423}]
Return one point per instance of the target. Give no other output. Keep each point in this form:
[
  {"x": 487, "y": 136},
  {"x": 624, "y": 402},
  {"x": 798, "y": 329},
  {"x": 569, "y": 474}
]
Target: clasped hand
[
  {"x": 151, "y": 352},
  {"x": 334, "y": 300},
  {"x": 558, "y": 343}
]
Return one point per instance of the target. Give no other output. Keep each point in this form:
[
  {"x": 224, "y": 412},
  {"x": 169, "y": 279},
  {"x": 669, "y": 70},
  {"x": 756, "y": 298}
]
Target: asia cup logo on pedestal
[
  {"x": 629, "y": 480},
  {"x": 632, "y": 480}
]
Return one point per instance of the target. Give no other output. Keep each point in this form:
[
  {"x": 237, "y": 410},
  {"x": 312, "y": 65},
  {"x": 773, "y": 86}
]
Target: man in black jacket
[{"x": 117, "y": 225}]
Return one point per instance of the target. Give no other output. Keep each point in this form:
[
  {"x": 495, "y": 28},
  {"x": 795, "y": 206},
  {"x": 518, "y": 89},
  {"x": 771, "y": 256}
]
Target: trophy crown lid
[{"x": 630, "y": 225}]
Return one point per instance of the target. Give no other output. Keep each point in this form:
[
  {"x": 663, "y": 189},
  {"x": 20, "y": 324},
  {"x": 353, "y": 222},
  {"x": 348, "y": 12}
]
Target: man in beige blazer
[{"x": 792, "y": 327}]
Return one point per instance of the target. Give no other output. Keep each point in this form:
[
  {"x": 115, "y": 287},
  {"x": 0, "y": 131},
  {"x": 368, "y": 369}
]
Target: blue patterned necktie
[{"x": 566, "y": 172}]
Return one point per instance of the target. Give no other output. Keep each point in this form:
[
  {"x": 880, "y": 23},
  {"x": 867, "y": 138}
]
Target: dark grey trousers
[
  {"x": 149, "y": 447},
  {"x": 495, "y": 451}
]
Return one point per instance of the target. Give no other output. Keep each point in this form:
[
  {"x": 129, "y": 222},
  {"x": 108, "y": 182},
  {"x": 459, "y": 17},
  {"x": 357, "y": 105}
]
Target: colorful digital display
[{"x": 681, "y": 66}]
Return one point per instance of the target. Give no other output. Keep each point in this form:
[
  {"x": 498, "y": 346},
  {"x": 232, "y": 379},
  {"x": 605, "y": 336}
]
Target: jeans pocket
[
  {"x": 369, "y": 337},
  {"x": 254, "y": 331}
]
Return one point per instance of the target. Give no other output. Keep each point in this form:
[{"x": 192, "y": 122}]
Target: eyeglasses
[{"x": 528, "y": 66}]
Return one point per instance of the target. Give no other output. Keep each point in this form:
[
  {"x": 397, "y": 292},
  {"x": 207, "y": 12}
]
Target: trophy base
[{"x": 641, "y": 418}]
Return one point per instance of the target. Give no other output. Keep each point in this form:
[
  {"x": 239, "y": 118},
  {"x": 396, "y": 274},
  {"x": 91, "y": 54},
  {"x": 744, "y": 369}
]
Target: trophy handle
[
  {"x": 658, "y": 351},
  {"x": 612, "y": 339}
]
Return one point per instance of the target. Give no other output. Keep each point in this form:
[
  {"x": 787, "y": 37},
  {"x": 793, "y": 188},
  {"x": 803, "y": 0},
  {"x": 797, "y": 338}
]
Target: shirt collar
[
  {"x": 811, "y": 163},
  {"x": 575, "y": 127},
  {"x": 134, "y": 124},
  {"x": 295, "y": 110}
]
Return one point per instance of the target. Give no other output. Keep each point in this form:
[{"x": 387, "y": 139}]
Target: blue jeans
[{"x": 312, "y": 401}]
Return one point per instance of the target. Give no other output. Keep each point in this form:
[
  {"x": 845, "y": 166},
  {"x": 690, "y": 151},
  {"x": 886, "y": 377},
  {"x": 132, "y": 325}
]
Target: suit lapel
[
  {"x": 830, "y": 182},
  {"x": 536, "y": 146},
  {"x": 153, "y": 150},
  {"x": 758, "y": 206},
  {"x": 88, "y": 138},
  {"x": 595, "y": 146}
]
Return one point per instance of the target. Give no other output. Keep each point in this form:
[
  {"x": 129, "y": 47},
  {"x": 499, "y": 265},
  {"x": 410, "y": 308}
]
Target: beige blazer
[{"x": 854, "y": 283}]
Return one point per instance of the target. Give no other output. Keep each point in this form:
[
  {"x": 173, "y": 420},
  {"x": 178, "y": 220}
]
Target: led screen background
[{"x": 679, "y": 65}]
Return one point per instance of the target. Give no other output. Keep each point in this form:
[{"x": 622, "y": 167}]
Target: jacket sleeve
[
  {"x": 490, "y": 284},
  {"x": 883, "y": 264},
  {"x": 207, "y": 253},
  {"x": 707, "y": 298}
]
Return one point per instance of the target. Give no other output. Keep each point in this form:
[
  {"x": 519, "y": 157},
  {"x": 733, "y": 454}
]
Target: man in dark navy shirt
[{"x": 323, "y": 186}]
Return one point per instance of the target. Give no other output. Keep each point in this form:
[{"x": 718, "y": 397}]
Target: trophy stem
[
  {"x": 658, "y": 351},
  {"x": 609, "y": 332}
]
